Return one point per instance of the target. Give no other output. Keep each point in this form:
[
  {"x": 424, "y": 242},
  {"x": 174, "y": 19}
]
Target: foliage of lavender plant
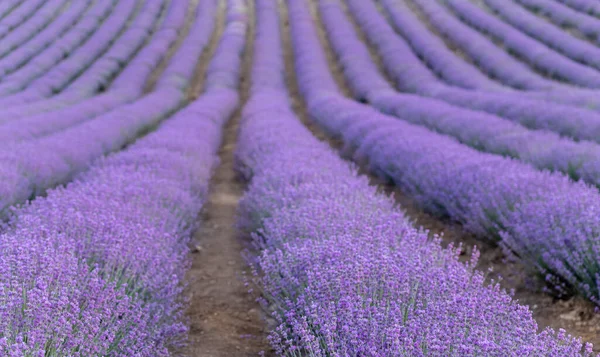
[
  {"x": 344, "y": 271},
  {"x": 97, "y": 267}
]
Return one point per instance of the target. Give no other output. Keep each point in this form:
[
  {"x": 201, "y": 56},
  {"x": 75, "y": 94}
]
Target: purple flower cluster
[
  {"x": 97, "y": 267},
  {"x": 564, "y": 16},
  {"x": 342, "y": 269},
  {"x": 72, "y": 45}
]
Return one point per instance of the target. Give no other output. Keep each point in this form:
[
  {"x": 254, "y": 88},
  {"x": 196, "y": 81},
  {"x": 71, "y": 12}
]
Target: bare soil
[{"x": 225, "y": 320}]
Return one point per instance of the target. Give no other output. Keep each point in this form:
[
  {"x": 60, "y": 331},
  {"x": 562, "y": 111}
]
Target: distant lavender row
[
  {"x": 119, "y": 291},
  {"x": 564, "y": 16},
  {"x": 76, "y": 84},
  {"x": 58, "y": 157},
  {"x": 481, "y": 50},
  {"x": 127, "y": 87},
  {"x": 433, "y": 50},
  {"x": 588, "y": 6},
  {"x": 544, "y": 150},
  {"x": 81, "y": 61},
  {"x": 61, "y": 25},
  {"x": 344, "y": 271},
  {"x": 46, "y": 14},
  {"x": 573, "y": 47},
  {"x": 16, "y": 17},
  {"x": 535, "y": 114},
  {"x": 7, "y": 6},
  {"x": 102, "y": 18},
  {"x": 526, "y": 210},
  {"x": 533, "y": 52}
]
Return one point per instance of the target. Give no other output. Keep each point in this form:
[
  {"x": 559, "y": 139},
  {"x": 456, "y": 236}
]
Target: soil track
[{"x": 225, "y": 320}]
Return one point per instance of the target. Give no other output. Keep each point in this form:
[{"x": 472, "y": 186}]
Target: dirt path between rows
[
  {"x": 575, "y": 315},
  {"x": 225, "y": 320}
]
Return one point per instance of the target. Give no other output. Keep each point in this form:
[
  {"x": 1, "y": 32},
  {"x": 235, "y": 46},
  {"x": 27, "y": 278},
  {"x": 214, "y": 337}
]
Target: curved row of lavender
[
  {"x": 486, "y": 132},
  {"x": 16, "y": 17},
  {"x": 588, "y": 6},
  {"x": 583, "y": 124},
  {"x": 19, "y": 125},
  {"x": 104, "y": 17},
  {"x": 32, "y": 26},
  {"x": 98, "y": 266},
  {"x": 78, "y": 63},
  {"x": 564, "y": 16},
  {"x": 432, "y": 50},
  {"x": 19, "y": 56},
  {"x": 525, "y": 210},
  {"x": 61, "y": 155},
  {"x": 6, "y": 7},
  {"x": 497, "y": 63},
  {"x": 554, "y": 37},
  {"x": 533, "y": 52},
  {"x": 72, "y": 86},
  {"x": 500, "y": 65},
  {"x": 344, "y": 271}
]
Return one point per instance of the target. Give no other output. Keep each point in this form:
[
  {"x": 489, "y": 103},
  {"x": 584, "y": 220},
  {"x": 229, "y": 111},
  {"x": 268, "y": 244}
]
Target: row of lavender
[
  {"x": 97, "y": 126},
  {"x": 486, "y": 132},
  {"x": 545, "y": 219},
  {"x": 341, "y": 267},
  {"x": 97, "y": 267}
]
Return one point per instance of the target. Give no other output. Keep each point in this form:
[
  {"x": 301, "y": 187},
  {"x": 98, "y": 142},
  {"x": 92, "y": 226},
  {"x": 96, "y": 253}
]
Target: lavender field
[{"x": 318, "y": 178}]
